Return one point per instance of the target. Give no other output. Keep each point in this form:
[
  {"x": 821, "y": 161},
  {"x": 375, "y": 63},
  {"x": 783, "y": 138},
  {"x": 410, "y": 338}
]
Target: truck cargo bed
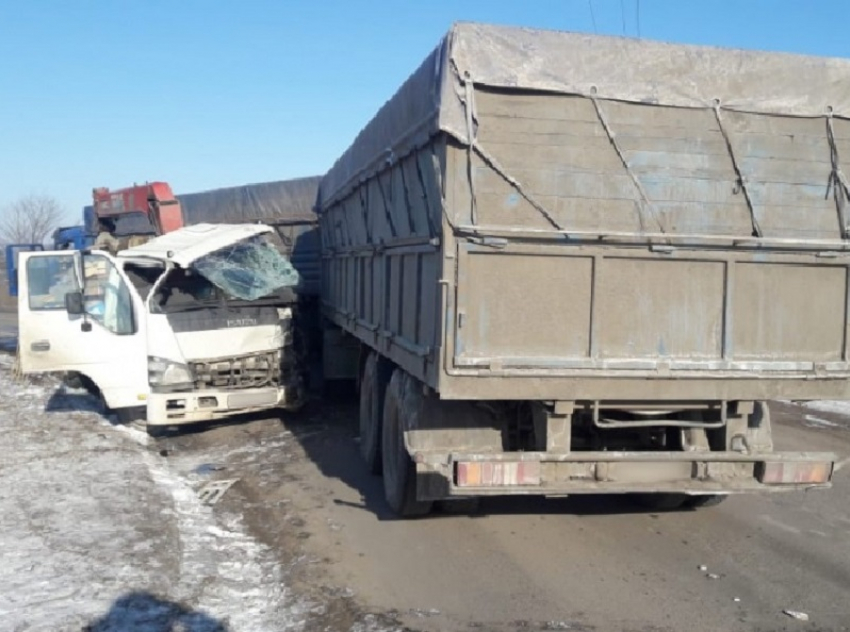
[
  {"x": 524, "y": 221},
  {"x": 578, "y": 264}
]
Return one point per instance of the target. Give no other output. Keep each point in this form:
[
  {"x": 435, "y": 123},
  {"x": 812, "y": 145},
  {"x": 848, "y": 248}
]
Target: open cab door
[
  {"x": 47, "y": 333},
  {"x": 77, "y": 312}
]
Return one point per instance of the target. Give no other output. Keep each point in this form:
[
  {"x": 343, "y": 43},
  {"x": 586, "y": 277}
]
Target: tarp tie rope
[
  {"x": 437, "y": 170},
  {"x": 474, "y": 147},
  {"x": 386, "y": 204},
  {"x": 645, "y": 207},
  {"x": 741, "y": 180},
  {"x": 364, "y": 212},
  {"x": 469, "y": 86},
  {"x": 494, "y": 164},
  {"x": 411, "y": 222},
  {"x": 429, "y": 211},
  {"x": 837, "y": 179}
]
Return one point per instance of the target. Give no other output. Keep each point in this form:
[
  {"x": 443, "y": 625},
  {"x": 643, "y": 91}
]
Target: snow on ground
[
  {"x": 98, "y": 532},
  {"x": 829, "y": 406},
  {"x": 817, "y": 422},
  {"x": 839, "y": 411}
]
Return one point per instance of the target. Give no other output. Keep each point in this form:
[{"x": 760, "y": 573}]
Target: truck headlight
[{"x": 162, "y": 372}]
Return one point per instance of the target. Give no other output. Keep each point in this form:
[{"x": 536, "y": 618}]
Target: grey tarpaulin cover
[
  {"x": 602, "y": 67},
  {"x": 266, "y": 202}
]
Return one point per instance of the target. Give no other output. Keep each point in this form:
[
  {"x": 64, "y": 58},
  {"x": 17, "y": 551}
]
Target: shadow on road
[
  {"x": 144, "y": 612},
  {"x": 8, "y": 342},
  {"x": 180, "y": 431},
  {"x": 328, "y": 434},
  {"x": 62, "y": 400}
]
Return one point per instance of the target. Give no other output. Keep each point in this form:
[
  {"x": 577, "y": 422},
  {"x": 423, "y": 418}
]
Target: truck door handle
[{"x": 40, "y": 345}]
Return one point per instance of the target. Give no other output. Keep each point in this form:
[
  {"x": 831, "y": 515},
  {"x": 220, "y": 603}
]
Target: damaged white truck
[{"x": 191, "y": 326}]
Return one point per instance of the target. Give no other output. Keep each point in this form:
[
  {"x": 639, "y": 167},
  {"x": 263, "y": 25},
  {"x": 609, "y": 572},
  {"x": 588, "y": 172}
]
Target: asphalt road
[{"x": 591, "y": 563}]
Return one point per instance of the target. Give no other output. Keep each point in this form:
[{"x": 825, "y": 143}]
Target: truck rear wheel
[
  {"x": 373, "y": 385},
  {"x": 399, "y": 469}
]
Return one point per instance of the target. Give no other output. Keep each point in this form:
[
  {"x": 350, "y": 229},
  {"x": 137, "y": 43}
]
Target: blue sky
[{"x": 205, "y": 94}]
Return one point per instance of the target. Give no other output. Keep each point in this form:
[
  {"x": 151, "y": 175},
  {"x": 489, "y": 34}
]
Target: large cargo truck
[{"x": 581, "y": 264}]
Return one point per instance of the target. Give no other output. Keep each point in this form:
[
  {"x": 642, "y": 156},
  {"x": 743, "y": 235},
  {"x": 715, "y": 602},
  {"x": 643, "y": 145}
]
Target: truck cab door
[{"x": 106, "y": 343}]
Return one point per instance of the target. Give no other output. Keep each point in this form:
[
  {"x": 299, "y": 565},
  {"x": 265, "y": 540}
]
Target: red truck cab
[{"x": 154, "y": 199}]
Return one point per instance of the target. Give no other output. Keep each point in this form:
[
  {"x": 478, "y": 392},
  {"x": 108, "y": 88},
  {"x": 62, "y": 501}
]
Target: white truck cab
[{"x": 194, "y": 325}]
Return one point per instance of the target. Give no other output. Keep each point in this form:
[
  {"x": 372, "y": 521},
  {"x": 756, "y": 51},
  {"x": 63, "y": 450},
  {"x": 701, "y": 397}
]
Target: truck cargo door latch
[
  {"x": 663, "y": 249},
  {"x": 492, "y": 242}
]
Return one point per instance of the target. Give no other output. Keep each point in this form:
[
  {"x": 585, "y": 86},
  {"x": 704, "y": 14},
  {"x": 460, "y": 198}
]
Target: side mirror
[{"x": 74, "y": 303}]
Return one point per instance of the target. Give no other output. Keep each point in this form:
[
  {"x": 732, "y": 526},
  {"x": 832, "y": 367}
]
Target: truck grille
[{"x": 250, "y": 371}]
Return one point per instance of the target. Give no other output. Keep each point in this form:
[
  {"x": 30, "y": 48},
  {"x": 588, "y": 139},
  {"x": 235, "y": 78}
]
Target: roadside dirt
[
  {"x": 594, "y": 563},
  {"x": 284, "y": 504}
]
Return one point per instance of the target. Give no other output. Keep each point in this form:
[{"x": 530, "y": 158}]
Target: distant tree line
[{"x": 30, "y": 219}]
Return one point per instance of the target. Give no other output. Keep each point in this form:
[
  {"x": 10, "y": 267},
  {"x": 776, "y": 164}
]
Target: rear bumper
[
  {"x": 169, "y": 409},
  {"x": 540, "y": 473}
]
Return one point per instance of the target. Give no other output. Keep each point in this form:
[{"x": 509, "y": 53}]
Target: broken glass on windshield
[{"x": 249, "y": 269}]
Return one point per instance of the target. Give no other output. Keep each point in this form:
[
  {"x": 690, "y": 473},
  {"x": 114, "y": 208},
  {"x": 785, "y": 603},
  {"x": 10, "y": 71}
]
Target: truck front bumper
[
  {"x": 169, "y": 409},
  {"x": 540, "y": 473}
]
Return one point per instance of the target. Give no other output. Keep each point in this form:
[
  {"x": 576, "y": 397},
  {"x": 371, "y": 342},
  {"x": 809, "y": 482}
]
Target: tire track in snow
[{"x": 223, "y": 570}]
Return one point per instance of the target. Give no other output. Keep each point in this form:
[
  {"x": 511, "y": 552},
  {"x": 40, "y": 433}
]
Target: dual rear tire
[
  {"x": 387, "y": 398},
  {"x": 373, "y": 387},
  {"x": 390, "y": 400},
  {"x": 398, "y": 468}
]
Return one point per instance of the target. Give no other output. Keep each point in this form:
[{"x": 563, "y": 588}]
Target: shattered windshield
[
  {"x": 249, "y": 270},
  {"x": 186, "y": 291}
]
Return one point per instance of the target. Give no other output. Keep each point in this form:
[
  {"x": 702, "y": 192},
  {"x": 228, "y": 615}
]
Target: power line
[
  {"x": 637, "y": 16},
  {"x": 592, "y": 16},
  {"x": 623, "y": 15}
]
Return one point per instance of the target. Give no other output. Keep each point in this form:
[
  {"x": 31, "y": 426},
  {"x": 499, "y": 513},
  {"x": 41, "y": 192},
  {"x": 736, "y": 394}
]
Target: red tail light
[
  {"x": 497, "y": 473},
  {"x": 780, "y": 473}
]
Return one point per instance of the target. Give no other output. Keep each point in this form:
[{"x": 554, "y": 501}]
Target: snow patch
[
  {"x": 97, "y": 530},
  {"x": 816, "y": 422},
  {"x": 243, "y": 571},
  {"x": 830, "y": 406}
]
